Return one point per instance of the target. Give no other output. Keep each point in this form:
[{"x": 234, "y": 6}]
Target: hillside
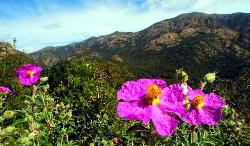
[
  {"x": 7, "y": 49},
  {"x": 196, "y": 41}
]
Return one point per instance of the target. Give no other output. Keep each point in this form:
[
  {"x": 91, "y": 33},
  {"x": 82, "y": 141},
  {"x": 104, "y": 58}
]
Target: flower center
[
  {"x": 153, "y": 93},
  {"x": 198, "y": 102},
  {"x": 29, "y": 73}
]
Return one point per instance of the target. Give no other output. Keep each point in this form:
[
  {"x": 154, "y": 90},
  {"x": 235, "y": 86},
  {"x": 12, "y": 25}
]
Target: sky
[{"x": 40, "y": 23}]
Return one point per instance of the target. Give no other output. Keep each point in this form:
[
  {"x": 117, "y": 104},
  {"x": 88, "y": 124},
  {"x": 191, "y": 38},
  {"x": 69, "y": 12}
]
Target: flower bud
[
  {"x": 184, "y": 88},
  {"x": 232, "y": 123},
  {"x": 29, "y": 119},
  {"x": 225, "y": 110},
  {"x": 44, "y": 79},
  {"x": 45, "y": 87},
  {"x": 8, "y": 114},
  {"x": 68, "y": 114},
  {"x": 210, "y": 77},
  {"x": 62, "y": 105},
  {"x": 182, "y": 75},
  {"x": 35, "y": 133},
  {"x": 115, "y": 141}
]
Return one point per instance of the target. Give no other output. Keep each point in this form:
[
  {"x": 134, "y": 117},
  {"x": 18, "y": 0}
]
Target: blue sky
[{"x": 40, "y": 23}]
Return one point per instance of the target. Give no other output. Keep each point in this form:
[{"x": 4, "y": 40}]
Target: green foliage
[
  {"x": 78, "y": 107},
  {"x": 7, "y": 78}
]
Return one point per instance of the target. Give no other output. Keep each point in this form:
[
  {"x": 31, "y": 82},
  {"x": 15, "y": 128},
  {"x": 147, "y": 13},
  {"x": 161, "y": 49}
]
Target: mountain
[
  {"x": 196, "y": 41},
  {"x": 7, "y": 49}
]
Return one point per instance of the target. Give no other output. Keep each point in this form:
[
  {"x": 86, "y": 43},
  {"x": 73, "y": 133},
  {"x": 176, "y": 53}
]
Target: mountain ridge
[{"x": 210, "y": 42}]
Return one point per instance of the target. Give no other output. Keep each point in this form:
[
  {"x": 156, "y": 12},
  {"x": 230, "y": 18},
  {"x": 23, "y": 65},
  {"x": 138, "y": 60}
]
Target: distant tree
[{"x": 14, "y": 42}]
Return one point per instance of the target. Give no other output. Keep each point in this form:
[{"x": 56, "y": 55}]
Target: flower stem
[{"x": 193, "y": 134}]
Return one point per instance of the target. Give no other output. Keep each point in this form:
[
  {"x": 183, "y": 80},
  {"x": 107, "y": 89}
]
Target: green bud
[
  {"x": 62, "y": 105},
  {"x": 225, "y": 110},
  {"x": 29, "y": 119},
  {"x": 68, "y": 114},
  {"x": 232, "y": 123},
  {"x": 44, "y": 79},
  {"x": 210, "y": 77},
  {"x": 45, "y": 87},
  {"x": 91, "y": 144},
  {"x": 105, "y": 117},
  {"x": 8, "y": 114},
  {"x": 182, "y": 75}
]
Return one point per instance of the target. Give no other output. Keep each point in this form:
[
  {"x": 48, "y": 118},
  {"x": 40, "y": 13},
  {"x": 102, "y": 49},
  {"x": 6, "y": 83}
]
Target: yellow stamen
[
  {"x": 153, "y": 93},
  {"x": 198, "y": 102},
  {"x": 29, "y": 73}
]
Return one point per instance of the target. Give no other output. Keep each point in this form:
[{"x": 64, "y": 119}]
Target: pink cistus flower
[
  {"x": 35, "y": 133},
  {"x": 203, "y": 109},
  {"x": 115, "y": 141},
  {"x": 143, "y": 100},
  {"x": 28, "y": 74},
  {"x": 5, "y": 90}
]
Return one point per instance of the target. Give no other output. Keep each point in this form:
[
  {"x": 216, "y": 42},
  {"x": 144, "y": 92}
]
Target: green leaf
[{"x": 17, "y": 122}]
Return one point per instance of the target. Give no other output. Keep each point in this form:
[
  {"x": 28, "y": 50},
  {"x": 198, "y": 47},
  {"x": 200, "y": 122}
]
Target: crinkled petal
[
  {"x": 192, "y": 93},
  {"x": 213, "y": 101},
  {"x": 21, "y": 73},
  {"x": 161, "y": 83},
  {"x": 37, "y": 70},
  {"x": 202, "y": 116},
  {"x": 171, "y": 100},
  {"x": 164, "y": 124},
  {"x": 34, "y": 78},
  {"x": 210, "y": 116},
  {"x": 131, "y": 91},
  {"x": 25, "y": 81},
  {"x": 133, "y": 110},
  {"x": 192, "y": 117},
  {"x": 5, "y": 89}
]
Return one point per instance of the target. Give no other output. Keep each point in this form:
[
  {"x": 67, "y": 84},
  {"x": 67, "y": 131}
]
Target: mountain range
[{"x": 197, "y": 42}]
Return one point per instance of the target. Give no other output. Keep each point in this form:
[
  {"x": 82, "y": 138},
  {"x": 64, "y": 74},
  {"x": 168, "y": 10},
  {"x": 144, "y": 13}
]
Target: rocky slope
[
  {"x": 196, "y": 41},
  {"x": 6, "y": 49}
]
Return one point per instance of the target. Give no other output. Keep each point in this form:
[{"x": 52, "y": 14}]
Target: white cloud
[{"x": 203, "y": 4}]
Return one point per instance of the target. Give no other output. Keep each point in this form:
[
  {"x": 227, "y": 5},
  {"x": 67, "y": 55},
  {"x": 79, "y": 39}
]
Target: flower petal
[
  {"x": 161, "y": 83},
  {"x": 171, "y": 99},
  {"x": 164, "y": 124},
  {"x": 213, "y": 101},
  {"x": 192, "y": 93},
  {"x": 133, "y": 110},
  {"x": 210, "y": 116},
  {"x": 192, "y": 117},
  {"x": 131, "y": 91}
]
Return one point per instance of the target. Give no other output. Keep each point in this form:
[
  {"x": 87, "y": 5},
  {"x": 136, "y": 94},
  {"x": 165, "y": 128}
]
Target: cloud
[
  {"x": 54, "y": 23},
  {"x": 202, "y": 4},
  {"x": 53, "y": 26}
]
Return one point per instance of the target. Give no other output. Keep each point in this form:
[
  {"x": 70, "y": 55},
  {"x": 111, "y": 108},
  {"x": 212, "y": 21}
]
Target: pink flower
[
  {"x": 115, "y": 141},
  {"x": 143, "y": 100},
  {"x": 28, "y": 74},
  {"x": 5, "y": 90},
  {"x": 35, "y": 133},
  {"x": 203, "y": 109}
]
